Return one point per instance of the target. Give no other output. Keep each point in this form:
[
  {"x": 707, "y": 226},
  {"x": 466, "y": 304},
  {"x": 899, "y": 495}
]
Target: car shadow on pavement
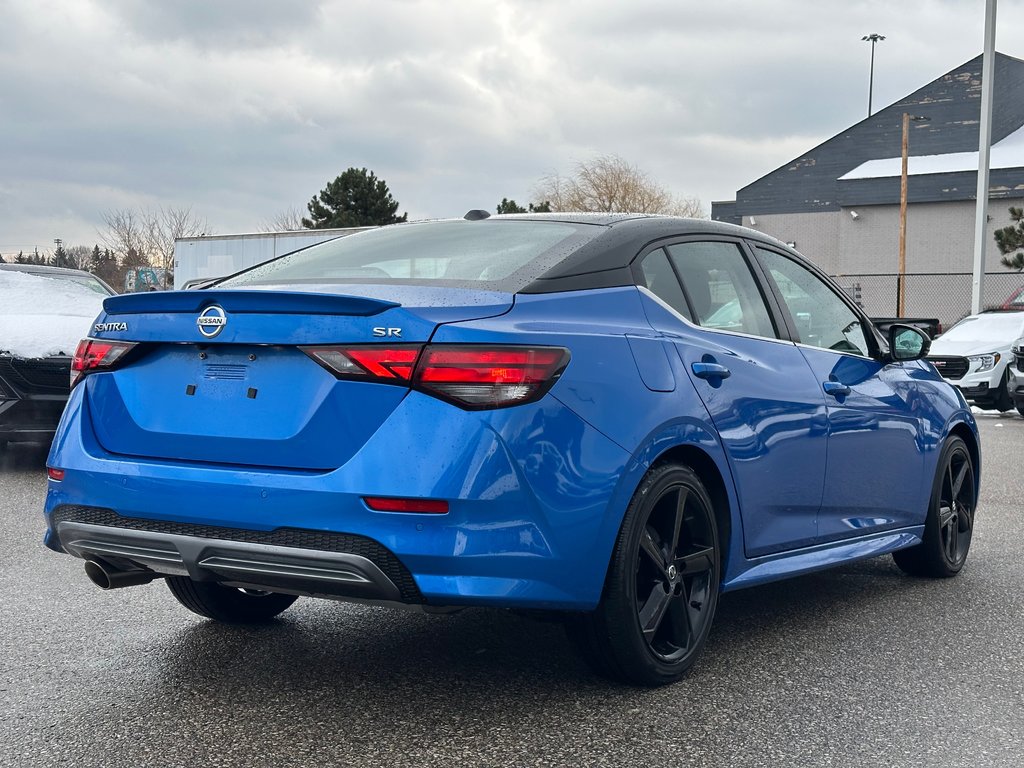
[{"x": 329, "y": 647}]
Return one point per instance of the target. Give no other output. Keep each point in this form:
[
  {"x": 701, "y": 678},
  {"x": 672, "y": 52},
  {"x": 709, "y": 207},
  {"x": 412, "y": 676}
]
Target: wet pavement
[{"x": 859, "y": 666}]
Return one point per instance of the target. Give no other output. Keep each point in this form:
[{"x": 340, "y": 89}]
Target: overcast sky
[{"x": 242, "y": 108}]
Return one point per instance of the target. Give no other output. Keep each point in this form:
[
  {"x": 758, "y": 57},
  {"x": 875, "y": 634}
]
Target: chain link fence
[{"x": 942, "y": 295}]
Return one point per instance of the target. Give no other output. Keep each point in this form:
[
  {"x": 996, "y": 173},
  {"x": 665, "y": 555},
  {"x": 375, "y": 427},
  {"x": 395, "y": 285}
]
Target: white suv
[{"x": 976, "y": 354}]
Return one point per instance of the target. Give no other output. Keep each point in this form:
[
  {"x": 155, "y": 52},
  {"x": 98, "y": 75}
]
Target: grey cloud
[
  {"x": 216, "y": 24},
  {"x": 241, "y": 109}
]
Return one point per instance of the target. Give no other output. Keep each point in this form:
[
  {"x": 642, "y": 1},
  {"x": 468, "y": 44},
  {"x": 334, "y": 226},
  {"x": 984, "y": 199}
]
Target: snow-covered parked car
[
  {"x": 976, "y": 354},
  {"x": 44, "y": 312}
]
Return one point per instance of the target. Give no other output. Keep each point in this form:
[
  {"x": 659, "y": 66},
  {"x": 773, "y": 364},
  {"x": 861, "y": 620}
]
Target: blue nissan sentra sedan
[{"x": 614, "y": 418}]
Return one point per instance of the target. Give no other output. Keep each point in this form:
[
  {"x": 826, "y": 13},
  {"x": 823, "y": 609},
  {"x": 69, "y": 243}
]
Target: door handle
[
  {"x": 710, "y": 371},
  {"x": 836, "y": 388}
]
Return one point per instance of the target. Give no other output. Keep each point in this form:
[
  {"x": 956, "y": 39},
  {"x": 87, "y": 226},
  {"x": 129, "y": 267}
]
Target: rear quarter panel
[{"x": 603, "y": 385}]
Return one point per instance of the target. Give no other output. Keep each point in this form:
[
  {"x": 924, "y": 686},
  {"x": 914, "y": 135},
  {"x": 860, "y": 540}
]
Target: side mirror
[{"x": 907, "y": 343}]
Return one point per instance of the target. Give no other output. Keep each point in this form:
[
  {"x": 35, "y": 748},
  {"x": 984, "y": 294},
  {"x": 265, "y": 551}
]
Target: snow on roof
[
  {"x": 44, "y": 316},
  {"x": 1008, "y": 153}
]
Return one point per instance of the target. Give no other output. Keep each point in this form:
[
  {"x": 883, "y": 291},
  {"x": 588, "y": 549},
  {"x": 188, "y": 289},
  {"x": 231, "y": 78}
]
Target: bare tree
[
  {"x": 688, "y": 207},
  {"x": 164, "y": 226},
  {"x": 126, "y": 236},
  {"x": 288, "y": 220},
  {"x": 145, "y": 237},
  {"x": 609, "y": 184},
  {"x": 78, "y": 256}
]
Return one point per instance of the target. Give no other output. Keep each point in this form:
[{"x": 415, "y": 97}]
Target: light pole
[
  {"x": 873, "y": 38},
  {"x": 902, "y": 268},
  {"x": 56, "y": 255}
]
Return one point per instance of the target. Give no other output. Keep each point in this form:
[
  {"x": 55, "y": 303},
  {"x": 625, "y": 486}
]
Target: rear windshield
[{"x": 499, "y": 255}]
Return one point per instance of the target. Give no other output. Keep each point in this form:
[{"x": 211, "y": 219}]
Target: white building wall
[
  {"x": 220, "y": 255},
  {"x": 862, "y": 251}
]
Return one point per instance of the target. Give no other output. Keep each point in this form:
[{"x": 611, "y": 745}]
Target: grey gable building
[{"x": 839, "y": 202}]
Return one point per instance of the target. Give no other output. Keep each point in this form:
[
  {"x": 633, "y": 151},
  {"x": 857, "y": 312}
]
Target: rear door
[{"x": 762, "y": 398}]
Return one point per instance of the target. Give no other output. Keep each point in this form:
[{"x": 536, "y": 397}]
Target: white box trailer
[{"x": 220, "y": 255}]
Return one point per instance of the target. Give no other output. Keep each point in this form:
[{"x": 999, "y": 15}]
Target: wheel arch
[
  {"x": 707, "y": 470},
  {"x": 970, "y": 438}
]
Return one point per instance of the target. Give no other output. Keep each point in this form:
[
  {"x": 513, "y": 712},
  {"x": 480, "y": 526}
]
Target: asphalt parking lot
[{"x": 859, "y": 666}]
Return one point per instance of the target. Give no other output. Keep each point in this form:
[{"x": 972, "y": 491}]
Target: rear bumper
[
  {"x": 532, "y": 514},
  {"x": 299, "y": 562}
]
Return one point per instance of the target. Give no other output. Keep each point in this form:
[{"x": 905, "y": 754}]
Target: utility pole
[
  {"x": 984, "y": 146},
  {"x": 901, "y": 270},
  {"x": 873, "y": 38}
]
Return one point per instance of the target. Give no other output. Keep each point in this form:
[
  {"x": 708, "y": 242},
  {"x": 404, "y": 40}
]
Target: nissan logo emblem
[{"x": 211, "y": 321}]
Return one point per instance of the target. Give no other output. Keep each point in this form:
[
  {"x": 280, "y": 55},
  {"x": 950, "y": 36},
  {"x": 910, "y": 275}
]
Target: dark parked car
[
  {"x": 613, "y": 418},
  {"x": 43, "y": 312}
]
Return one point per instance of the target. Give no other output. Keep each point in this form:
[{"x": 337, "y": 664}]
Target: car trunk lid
[{"x": 241, "y": 391}]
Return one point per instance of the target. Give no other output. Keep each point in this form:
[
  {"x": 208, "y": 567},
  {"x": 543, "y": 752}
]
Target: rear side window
[
  {"x": 660, "y": 279},
  {"x": 504, "y": 255},
  {"x": 721, "y": 288}
]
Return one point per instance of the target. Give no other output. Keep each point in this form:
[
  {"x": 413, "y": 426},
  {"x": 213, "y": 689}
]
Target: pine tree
[
  {"x": 1010, "y": 241},
  {"x": 356, "y": 198},
  {"x": 511, "y": 206}
]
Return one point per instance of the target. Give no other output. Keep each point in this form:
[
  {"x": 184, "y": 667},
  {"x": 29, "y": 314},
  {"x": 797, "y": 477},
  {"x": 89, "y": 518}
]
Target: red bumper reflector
[
  {"x": 384, "y": 504},
  {"x": 55, "y": 474}
]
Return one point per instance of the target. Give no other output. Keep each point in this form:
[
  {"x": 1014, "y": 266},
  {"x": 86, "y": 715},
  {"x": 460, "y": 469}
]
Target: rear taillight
[
  {"x": 489, "y": 376},
  {"x": 391, "y": 363},
  {"x": 470, "y": 376},
  {"x": 96, "y": 355}
]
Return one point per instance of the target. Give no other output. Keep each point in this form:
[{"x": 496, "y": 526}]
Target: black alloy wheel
[
  {"x": 950, "y": 522},
  {"x": 662, "y": 587}
]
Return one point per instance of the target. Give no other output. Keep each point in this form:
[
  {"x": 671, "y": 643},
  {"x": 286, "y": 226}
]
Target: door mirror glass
[{"x": 908, "y": 343}]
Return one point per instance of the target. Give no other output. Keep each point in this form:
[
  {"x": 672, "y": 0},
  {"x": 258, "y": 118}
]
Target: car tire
[
  {"x": 950, "y": 522},
  {"x": 1003, "y": 401},
  {"x": 228, "y": 604},
  {"x": 662, "y": 586}
]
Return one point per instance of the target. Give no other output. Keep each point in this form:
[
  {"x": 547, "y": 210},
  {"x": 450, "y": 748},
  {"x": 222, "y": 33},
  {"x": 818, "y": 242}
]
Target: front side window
[
  {"x": 721, "y": 288},
  {"x": 822, "y": 318}
]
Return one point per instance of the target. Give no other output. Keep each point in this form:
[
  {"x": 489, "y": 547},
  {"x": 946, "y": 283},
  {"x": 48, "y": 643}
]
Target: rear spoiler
[{"x": 270, "y": 302}]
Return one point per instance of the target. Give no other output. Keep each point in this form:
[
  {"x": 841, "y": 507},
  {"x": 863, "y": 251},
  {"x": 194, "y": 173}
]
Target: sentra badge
[
  {"x": 211, "y": 321},
  {"x": 100, "y": 327}
]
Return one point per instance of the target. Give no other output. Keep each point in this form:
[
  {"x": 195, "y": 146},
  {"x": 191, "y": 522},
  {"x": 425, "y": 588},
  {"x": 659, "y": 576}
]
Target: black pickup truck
[{"x": 929, "y": 325}]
